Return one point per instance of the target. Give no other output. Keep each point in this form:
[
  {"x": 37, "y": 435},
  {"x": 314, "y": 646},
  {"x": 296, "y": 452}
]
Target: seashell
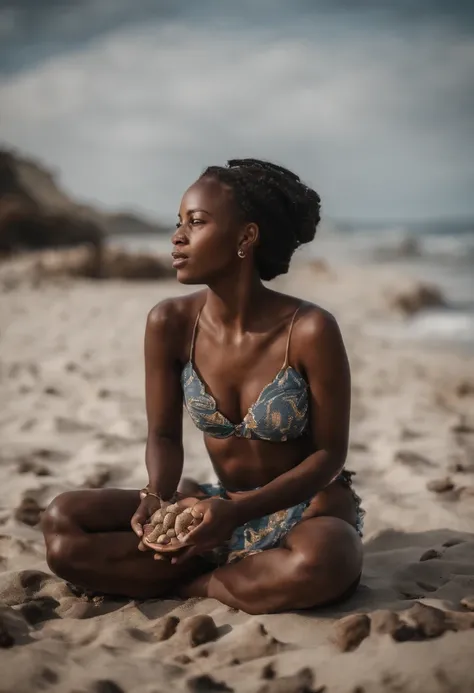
[
  {"x": 182, "y": 522},
  {"x": 155, "y": 533},
  {"x": 169, "y": 521},
  {"x": 157, "y": 517},
  {"x": 147, "y": 530}
]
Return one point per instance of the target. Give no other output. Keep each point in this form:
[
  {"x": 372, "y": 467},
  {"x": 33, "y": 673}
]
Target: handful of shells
[{"x": 170, "y": 525}]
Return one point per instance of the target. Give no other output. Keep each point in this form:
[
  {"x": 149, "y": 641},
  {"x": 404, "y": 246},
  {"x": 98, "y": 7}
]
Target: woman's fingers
[{"x": 137, "y": 525}]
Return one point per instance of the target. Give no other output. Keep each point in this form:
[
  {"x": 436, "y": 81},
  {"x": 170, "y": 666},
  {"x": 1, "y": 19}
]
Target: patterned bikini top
[{"x": 280, "y": 412}]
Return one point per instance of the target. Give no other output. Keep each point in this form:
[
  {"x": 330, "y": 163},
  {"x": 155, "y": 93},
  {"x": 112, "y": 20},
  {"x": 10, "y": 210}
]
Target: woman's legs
[
  {"x": 319, "y": 560},
  {"x": 90, "y": 543}
]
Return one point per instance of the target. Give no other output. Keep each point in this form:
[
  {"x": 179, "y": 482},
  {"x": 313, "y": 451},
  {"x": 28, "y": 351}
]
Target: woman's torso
[{"x": 235, "y": 374}]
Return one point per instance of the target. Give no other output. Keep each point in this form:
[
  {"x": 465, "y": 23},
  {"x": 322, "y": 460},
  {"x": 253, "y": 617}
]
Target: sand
[{"x": 72, "y": 415}]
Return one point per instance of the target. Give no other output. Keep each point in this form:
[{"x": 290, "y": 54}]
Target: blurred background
[{"x": 371, "y": 103}]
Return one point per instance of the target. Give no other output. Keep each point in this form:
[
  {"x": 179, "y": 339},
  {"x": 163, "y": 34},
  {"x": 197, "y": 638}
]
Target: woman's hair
[{"x": 286, "y": 211}]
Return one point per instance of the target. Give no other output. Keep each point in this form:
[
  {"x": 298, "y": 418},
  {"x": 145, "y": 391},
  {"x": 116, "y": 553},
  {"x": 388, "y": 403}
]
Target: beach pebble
[
  {"x": 460, "y": 620},
  {"x": 183, "y": 521},
  {"x": 198, "y": 629},
  {"x": 440, "y": 485},
  {"x": 169, "y": 521},
  {"x": 350, "y": 631},
  {"x": 384, "y": 621},
  {"x": 428, "y": 621},
  {"x": 164, "y": 628},
  {"x": 416, "y": 298},
  {"x": 468, "y": 602},
  {"x": 430, "y": 554}
]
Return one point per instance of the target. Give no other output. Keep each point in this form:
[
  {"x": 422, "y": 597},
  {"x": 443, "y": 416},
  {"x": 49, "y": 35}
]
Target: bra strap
[
  {"x": 193, "y": 338},
  {"x": 285, "y": 365}
]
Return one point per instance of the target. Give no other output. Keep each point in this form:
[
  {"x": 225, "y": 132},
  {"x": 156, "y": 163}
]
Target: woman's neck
[{"x": 235, "y": 303}]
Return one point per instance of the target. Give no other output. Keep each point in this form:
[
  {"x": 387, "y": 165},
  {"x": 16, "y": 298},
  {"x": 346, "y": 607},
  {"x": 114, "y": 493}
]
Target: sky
[{"x": 371, "y": 103}]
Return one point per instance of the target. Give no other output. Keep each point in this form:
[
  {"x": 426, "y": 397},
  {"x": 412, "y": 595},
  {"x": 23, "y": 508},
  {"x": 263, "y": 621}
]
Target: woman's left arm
[{"x": 327, "y": 369}]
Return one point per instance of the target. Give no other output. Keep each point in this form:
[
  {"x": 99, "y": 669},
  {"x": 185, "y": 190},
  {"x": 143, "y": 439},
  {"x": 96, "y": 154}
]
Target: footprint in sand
[
  {"x": 244, "y": 644},
  {"x": 301, "y": 682},
  {"x": 101, "y": 476},
  {"x": 413, "y": 459},
  {"x": 13, "y": 628},
  {"x": 66, "y": 425},
  {"x": 410, "y": 434},
  {"x": 106, "y": 686},
  {"x": 28, "y": 512},
  {"x": 205, "y": 683},
  {"x": 441, "y": 485},
  {"x": 39, "y": 609},
  {"x": 28, "y": 466}
]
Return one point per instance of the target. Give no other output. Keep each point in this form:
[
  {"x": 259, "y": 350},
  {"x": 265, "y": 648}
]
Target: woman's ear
[{"x": 249, "y": 237}]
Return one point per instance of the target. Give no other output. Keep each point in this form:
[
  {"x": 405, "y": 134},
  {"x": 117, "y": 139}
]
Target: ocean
[{"x": 437, "y": 253}]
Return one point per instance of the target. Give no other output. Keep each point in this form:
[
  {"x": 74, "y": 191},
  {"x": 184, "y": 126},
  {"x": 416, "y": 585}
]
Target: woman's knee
[
  {"x": 326, "y": 566},
  {"x": 59, "y": 515},
  {"x": 59, "y": 529},
  {"x": 60, "y": 555}
]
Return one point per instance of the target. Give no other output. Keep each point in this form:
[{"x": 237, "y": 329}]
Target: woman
[{"x": 265, "y": 377}]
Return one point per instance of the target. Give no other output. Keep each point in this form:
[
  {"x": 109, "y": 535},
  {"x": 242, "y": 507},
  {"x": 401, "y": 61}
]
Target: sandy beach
[{"x": 72, "y": 416}]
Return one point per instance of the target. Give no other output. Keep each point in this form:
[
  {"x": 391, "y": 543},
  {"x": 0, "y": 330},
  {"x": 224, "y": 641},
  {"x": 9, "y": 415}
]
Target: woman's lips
[{"x": 179, "y": 262}]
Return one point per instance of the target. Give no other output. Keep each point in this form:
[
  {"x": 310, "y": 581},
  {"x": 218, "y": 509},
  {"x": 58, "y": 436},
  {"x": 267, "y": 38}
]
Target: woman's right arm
[{"x": 164, "y": 399}]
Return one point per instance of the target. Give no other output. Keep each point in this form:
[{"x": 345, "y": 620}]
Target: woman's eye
[
  {"x": 196, "y": 221},
  {"x": 178, "y": 224}
]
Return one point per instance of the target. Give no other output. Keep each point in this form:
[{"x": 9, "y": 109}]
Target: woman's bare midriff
[{"x": 243, "y": 465}]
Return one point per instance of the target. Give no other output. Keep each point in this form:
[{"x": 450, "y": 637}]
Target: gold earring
[{"x": 240, "y": 253}]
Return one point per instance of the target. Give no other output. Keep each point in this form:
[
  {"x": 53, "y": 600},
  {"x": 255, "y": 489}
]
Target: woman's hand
[
  {"x": 149, "y": 505},
  {"x": 219, "y": 520}
]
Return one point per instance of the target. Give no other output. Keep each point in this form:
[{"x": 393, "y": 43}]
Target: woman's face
[{"x": 206, "y": 239}]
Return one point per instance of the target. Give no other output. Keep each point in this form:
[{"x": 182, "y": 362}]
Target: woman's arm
[
  {"x": 327, "y": 369},
  {"x": 164, "y": 399}
]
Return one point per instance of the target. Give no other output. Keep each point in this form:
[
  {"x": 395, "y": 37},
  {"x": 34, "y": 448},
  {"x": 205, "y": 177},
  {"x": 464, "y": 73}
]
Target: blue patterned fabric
[
  {"x": 280, "y": 413},
  {"x": 267, "y": 532}
]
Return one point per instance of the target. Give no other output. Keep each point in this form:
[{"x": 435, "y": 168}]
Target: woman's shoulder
[
  {"x": 311, "y": 319},
  {"x": 315, "y": 326},
  {"x": 174, "y": 316}
]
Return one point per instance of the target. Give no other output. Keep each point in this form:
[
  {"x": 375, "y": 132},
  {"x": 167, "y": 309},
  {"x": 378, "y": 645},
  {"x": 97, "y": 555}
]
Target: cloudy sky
[{"x": 370, "y": 103}]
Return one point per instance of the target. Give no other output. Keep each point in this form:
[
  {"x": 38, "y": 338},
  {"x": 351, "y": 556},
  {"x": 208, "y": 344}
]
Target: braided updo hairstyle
[{"x": 286, "y": 211}]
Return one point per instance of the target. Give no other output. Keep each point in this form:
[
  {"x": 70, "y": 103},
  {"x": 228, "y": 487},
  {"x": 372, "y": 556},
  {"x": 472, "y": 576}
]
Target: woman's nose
[{"x": 178, "y": 238}]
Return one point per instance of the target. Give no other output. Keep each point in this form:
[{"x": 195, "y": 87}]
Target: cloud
[{"x": 379, "y": 122}]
